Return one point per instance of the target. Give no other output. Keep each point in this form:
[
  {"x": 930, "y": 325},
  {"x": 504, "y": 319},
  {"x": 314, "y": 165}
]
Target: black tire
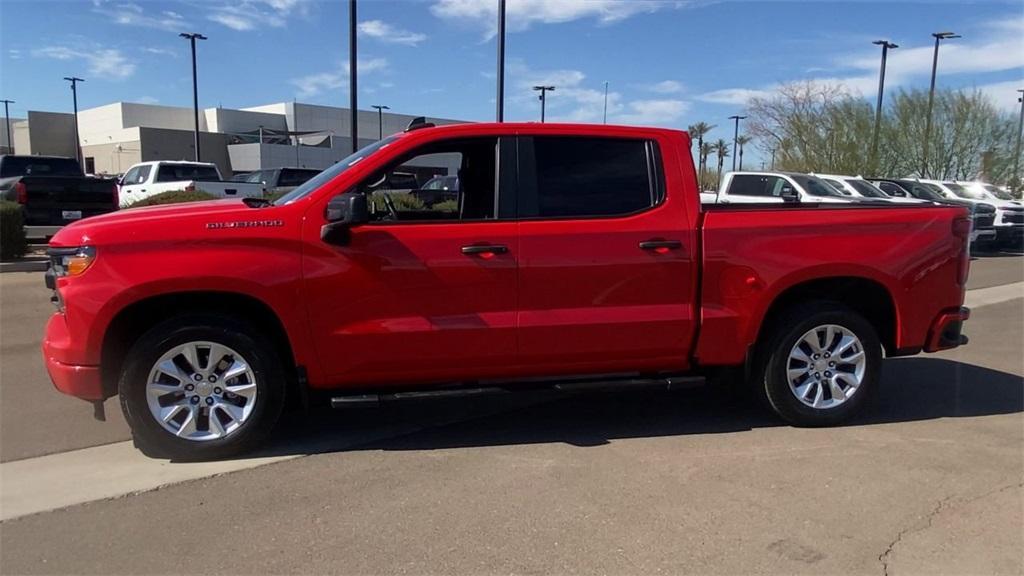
[
  {"x": 151, "y": 438},
  {"x": 770, "y": 379}
]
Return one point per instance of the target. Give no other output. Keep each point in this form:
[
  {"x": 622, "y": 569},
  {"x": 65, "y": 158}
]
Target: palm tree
[
  {"x": 706, "y": 149},
  {"x": 741, "y": 140},
  {"x": 698, "y": 131},
  {"x": 722, "y": 151}
]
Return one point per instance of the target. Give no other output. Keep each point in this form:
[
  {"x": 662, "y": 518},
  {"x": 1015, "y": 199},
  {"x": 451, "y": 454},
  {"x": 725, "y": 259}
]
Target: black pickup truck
[{"x": 53, "y": 190}]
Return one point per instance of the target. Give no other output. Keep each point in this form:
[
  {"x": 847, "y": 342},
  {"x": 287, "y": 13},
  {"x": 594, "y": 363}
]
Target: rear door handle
[
  {"x": 661, "y": 245},
  {"x": 484, "y": 249}
]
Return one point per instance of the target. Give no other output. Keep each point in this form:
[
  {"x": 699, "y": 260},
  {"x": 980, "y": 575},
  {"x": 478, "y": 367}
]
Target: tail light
[
  {"x": 22, "y": 192},
  {"x": 117, "y": 197},
  {"x": 962, "y": 230}
]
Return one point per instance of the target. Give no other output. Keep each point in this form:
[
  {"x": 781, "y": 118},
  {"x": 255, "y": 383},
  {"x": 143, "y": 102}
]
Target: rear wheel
[
  {"x": 819, "y": 365},
  {"x": 201, "y": 387}
]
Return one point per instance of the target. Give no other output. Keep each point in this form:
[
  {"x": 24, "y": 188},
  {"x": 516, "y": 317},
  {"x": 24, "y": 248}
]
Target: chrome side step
[{"x": 572, "y": 385}]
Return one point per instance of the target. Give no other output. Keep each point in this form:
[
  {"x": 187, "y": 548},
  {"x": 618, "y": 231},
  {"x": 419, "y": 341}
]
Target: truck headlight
[{"x": 71, "y": 261}]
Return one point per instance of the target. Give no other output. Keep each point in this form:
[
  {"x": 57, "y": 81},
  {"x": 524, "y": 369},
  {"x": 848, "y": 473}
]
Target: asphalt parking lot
[{"x": 930, "y": 481}]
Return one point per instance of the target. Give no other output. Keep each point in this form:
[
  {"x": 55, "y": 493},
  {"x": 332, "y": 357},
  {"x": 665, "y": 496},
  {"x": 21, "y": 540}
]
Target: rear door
[{"x": 606, "y": 263}]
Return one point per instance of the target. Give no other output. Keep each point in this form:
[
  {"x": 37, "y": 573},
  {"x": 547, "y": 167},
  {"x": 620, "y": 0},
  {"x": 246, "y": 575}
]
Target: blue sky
[{"x": 668, "y": 63}]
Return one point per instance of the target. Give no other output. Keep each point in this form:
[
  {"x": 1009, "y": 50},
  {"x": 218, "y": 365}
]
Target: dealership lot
[{"x": 631, "y": 482}]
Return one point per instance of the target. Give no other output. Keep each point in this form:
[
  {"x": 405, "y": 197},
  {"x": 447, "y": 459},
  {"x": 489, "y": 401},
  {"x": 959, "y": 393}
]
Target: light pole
[
  {"x": 605, "y": 121},
  {"x": 192, "y": 37},
  {"x": 1016, "y": 158},
  {"x": 353, "y": 88},
  {"x": 7, "y": 117},
  {"x": 543, "y": 99},
  {"x": 931, "y": 98},
  {"x": 735, "y": 138},
  {"x": 500, "y": 111},
  {"x": 380, "y": 120},
  {"x": 74, "y": 99},
  {"x": 886, "y": 46}
]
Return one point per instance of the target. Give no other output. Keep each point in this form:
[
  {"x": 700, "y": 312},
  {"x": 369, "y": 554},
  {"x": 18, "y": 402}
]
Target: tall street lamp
[
  {"x": 1020, "y": 129},
  {"x": 939, "y": 36},
  {"x": 735, "y": 138},
  {"x": 192, "y": 37},
  {"x": 74, "y": 99},
  {"x": 886, "y": 46},
  {"x": 543, "y": 99},
  {"x": 500, "y": 111},
  {"x": 7, "y": 117},
  {"x": 353, "y": 88},
  {"x": 380, "y": 120}
]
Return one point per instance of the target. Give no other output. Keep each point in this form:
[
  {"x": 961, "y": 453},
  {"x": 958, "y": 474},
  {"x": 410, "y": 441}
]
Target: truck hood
[{"x": 129, "y": 224}]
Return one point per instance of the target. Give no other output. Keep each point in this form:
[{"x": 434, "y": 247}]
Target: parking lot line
[{"x": 994, "y": 295}]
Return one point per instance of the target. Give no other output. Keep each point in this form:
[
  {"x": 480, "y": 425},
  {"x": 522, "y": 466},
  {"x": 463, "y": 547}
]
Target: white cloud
[
  {"x": 107, "y": 63},
  {"x": 734, "y": 96},
  {"x": 384, "y": 32},
  {"x": 130, "y": 14},
  {"x": 653, "y": 112},
  {"x": 666, "y": 87},
  {"x": 14, "y": 54},
  {"x": 1004, "y": 94},
  {"x": 315, "y": 84},
  {"x": 160, "y": 51},
  {"x": 521, "y": 14},
  {"x": 246, "y": 15}
]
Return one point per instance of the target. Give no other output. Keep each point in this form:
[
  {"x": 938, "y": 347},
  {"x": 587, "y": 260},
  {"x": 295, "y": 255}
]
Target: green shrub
[
  {"x": 12, "y": 231},
  {"x": 402, "y": 200},
  {"x": 272, "y": 196},
  {"x": 446, "y": 206},
  {"x": 174, "y": 197}
]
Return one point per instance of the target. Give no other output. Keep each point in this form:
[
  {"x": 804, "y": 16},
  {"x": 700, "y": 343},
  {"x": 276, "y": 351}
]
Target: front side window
[
  {"x": 815, "y": 186},
  {"x": 130, "y": 177},
  {"x": 866, "y": 189},
  {"x": 143, "y": 175},
  {"x": 756, "y": 185},
  {"x": 398, "y": 192},
  {"x": 585, "y": 177}
]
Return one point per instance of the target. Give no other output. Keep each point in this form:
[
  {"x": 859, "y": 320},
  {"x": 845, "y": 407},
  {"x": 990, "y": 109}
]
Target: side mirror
[
  {"x": 343, "y": 212},
  {"x": 789, "y": 194}
]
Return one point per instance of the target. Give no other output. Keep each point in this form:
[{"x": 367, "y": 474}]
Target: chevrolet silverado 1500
[{"x": 575, "y": 256}]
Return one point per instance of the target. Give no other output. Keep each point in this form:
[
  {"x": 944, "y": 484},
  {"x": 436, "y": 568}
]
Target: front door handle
[
  {"x": 661, "y": 245},
  {"x": 484, "y": 249}
]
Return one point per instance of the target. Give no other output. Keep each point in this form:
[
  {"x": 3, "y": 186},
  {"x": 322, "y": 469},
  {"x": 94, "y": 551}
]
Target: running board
[{"x": 666, "y": 383}]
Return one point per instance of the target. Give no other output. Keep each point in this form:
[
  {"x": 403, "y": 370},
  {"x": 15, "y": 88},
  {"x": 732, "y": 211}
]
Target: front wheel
[
  {"x": 819, "y": 365},
  {"x": 201, "y": 387}
]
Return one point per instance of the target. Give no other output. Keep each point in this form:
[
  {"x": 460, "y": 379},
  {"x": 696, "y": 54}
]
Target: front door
[
  {"x": 606, "y": 260},
  {"x": 422, "y": 293}
]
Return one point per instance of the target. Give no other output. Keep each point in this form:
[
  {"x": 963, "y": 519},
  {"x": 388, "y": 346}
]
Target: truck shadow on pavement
[{"x": 913, "y": 389}]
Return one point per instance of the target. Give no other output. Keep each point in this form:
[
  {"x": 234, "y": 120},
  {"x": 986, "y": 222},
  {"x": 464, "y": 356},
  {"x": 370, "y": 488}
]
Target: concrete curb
[{"x": 27, "y": 265}]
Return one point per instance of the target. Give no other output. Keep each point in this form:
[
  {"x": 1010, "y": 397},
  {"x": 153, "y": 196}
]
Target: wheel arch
[{"x": 132, "y": 321}]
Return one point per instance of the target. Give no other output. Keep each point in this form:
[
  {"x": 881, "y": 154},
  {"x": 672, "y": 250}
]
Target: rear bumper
[
  {"x": 72, "y": 379},
  {"x": 946, "y": 329}
]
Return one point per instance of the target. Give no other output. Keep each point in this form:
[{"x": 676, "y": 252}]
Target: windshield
[
  {"x": 39, "y": 166},
  {"x": 963, "y": 192},
  {"x": 815, "y": 186},
  {"x": 995, "y": 191},
  {"x": 329, "y": 174},
  {"x": 866, "y": 189}
]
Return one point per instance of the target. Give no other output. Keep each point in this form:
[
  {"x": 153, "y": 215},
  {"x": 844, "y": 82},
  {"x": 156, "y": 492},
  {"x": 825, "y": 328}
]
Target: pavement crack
[{"x": 926, "y": 522}]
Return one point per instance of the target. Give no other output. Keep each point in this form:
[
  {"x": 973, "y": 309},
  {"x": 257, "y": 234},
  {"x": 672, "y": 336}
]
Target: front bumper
[
  {"x": 72, "y": 379},
  {"x": 1010, "y": 233},
  {"x": 946, "y": 329}
]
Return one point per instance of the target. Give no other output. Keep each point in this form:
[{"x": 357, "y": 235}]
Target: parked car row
[{"x": 998, "y": 220}]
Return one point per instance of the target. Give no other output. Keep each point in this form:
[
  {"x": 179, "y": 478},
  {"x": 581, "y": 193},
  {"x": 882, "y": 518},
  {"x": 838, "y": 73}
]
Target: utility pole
[
  {"x": 7, "y": 117},
  {"x": 500, "y": 110},
  {"x": 605, "y": 121},
  {"x": 931, "y": 98},
  {"x": 353, "y": 84},
  {"x": 735, "y": 138},
  {"x": 543, "y": 100},
  {"x": 1016, "y": 158},
  {"x": 886, "y": 46},
  {"x": 195, "y": 88},
  {"x": 380, "y": 120},
  {"x": 74, "y": 99}
]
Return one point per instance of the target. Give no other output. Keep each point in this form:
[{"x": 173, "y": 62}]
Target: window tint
[
  {"x": 579, "y": 176},
  {"x": 396, "y": 193},
  {"x": 890, "y": 188},
  {"x": 179, "y": 172},
  {"x": 39, "y": 166},
  {"x": 866, "y": 189},
  {"x": 837, "y": 185},
  {"x": 756, "y": 185},
  {"x": 292, "y": 177},
  {"x": 815, "y": 186}
]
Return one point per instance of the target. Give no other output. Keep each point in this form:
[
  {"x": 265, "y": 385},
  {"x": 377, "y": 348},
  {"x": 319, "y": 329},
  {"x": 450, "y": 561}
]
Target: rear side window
[
  {"x": 585, "y": 177},
  {"x": 39, "y": 166},
  {"x": 179, "y": 172},
  {"x": 756, "y": 185}
]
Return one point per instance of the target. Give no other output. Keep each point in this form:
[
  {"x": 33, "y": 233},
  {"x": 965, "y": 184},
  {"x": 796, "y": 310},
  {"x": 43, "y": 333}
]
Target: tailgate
[{"x": 56, "y": 200}]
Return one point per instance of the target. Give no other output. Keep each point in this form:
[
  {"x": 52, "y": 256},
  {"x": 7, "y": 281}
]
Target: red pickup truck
[{"x": 574, "y": 256}]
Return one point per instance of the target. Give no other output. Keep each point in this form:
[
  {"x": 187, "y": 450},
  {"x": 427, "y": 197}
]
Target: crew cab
[
  {"x": 576, "y": 256},
  {"x": 150, "y": 178},
  {"x": 773, "y": 187},
  {"x": 53, "y": 190}
]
